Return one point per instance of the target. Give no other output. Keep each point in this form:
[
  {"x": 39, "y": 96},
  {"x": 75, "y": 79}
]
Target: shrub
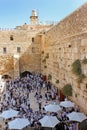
[
  {"x": 44, "y": 60},
  {"x": 67, "y": 90},
  {"x": 57, "y": 81},
  {"x": 81, "y": 77},
  {"x": 49, "y": 77},
  {"x": 76, "y": 67},
  {"x": 83, "y": 125}
]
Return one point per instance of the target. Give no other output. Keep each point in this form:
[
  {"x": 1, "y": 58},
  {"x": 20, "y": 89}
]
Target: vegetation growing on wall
[
  {"x": 67, "y": 90},
  {"x": 57, "y": 81},
  {"x": 76, "y": 67},
  {"x": 47, "y": 55},
  {"x": 49, "y": 77},
  {"x": 44, "y": 60},
  {"x": 84, "y": 61},
  {"x": 81, "y": 78},
  {"x": 83, "y": 125},
  {"x": 77, "y": 70}
]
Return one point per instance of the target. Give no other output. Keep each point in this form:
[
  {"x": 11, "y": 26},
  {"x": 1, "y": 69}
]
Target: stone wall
[{"x": 65, "y": 43}]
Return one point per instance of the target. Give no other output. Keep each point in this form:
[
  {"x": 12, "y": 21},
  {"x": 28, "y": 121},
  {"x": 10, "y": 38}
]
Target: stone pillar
[{"x": 16, "y": 66}]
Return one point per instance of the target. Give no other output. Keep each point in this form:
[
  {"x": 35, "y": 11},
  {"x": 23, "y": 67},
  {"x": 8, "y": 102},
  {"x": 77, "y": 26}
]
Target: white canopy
[
  {"x": 66, "y": 104},
  {"x": 52, "y": 108},
  {"x": 49, "y": 121},
  {"x": 77, "y": 116},
  {"x": 18, "y": 123},
  {"x": 9, "y": 113}
]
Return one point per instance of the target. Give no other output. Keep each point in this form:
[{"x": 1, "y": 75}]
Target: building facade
[
  {"x": 20, "y": 48},
  {"x": 50, "y": 50}
]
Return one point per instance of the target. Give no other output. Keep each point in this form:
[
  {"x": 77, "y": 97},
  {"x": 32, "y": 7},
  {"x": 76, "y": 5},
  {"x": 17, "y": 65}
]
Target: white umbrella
[
  {"x": 52, "y": 108},
  {"x": 77, "y": 116},
  {"x": 18, "y": 123},
  {"x": 49, "y": 121},
  {"x": 9, "y": 113},
  {"x": 66, "y": 104}
]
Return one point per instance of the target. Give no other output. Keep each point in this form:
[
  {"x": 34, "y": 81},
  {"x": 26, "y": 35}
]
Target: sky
[{"x": 17, "y": 12}]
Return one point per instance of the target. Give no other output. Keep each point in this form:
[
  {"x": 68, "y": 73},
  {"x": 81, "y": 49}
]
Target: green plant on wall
[
  {"x": 76, "y": 67},
  {"x": 47, "y": 55},
  {"x": 49, "y": 77},
  {"x": 57, "y": 81},
  {"x": 83, "y": 125},
  {"x": 77, "y": 70},
  {"x": 67, "y": 90},
  {"x": 84, "y": 61},
  {"x": 44, "y": 60},
  {"x": 81, "y": 78}
]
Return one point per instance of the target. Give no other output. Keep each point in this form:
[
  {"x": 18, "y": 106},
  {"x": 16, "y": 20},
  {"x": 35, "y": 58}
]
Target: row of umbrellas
[
  {"x": 51, "y": 108},
  {"x": 46, "y": 121},
  {"x": 74, "y": 116}
]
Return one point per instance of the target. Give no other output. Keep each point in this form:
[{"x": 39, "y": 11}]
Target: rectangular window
[
  {"x": 18, "y": 49},
  {"x": 4, "y": 50},
  {"x": 32, "y": 39},
  {"x": 11, "y": 38}
]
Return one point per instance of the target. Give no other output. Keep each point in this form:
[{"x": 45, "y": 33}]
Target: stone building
[
  {"x": 50, "y": 50},
  {"x": 20, "y": 48}
]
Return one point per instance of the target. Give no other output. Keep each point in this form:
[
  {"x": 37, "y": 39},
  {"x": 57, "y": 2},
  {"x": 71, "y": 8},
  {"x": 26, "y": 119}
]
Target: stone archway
[
  {"x": 6, "y": 76},
  {"x": 25, "y": 73}
]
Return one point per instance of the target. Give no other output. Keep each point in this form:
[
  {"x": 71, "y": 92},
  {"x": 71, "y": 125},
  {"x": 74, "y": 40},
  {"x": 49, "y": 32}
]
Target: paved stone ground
[{"x": 33, "y": 101}]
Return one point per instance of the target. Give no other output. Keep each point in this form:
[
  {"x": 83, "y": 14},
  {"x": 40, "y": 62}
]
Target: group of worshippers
[{"x": 16, "y": 96}]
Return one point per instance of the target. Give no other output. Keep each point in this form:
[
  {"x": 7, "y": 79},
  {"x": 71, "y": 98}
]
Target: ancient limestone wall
[{"x": 65, "y": 43}]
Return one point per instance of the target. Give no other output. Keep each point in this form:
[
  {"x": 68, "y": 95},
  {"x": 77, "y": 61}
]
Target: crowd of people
[{"x": 16, "y": 95}]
